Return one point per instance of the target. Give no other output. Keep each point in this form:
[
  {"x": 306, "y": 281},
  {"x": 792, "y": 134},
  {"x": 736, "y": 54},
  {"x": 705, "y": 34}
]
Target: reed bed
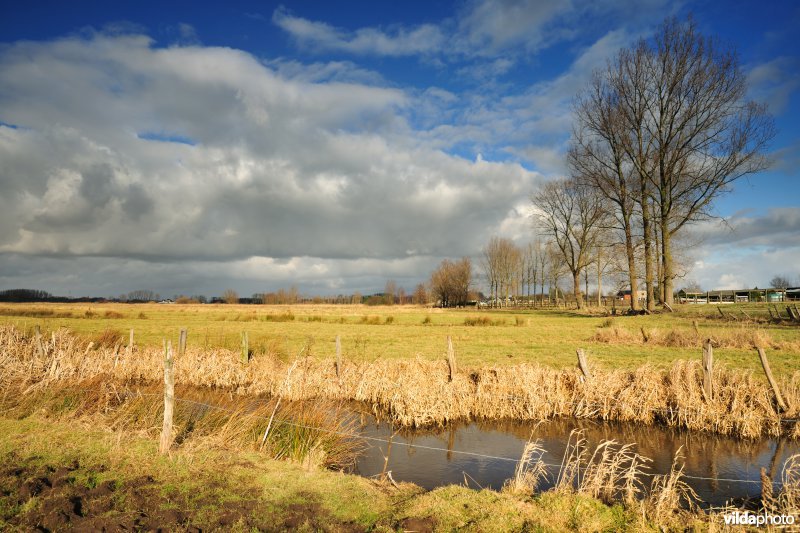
[{"x": 417, "y": 392}]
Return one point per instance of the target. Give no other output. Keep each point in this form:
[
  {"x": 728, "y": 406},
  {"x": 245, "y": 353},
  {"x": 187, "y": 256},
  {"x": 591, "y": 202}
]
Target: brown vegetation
[
  {"x": 416, "y": 392},
  {"x": 742, "y": 337}
]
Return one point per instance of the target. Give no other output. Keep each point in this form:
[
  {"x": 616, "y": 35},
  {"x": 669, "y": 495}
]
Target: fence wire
[{"x": 425, "y": 447}]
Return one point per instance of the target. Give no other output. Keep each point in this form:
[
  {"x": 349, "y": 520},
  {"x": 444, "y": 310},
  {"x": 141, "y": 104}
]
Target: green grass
[
  {"x": 205, "y": 484},
  {"x": 548, "y": 337}
]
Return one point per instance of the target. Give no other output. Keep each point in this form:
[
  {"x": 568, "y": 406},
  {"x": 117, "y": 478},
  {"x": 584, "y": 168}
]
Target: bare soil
[{"x": 58, "y": 498}]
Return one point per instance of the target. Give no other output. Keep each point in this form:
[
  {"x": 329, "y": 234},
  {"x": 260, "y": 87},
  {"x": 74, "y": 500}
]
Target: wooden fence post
[
  {"x": 583, "y": 364},
  {"x": 169, "y": 399},
  {"x": 774, "y": 384},
  {"x": 338, "y": 356},
  {"x": 39, "y": 345},
  {"x": 182, "y": 343},
  {"x": 708, "y": 366},
  {"x": 451, "y": 359},
  {"x": 129, "y": 351},
  {"x": 245, "y": 348}
]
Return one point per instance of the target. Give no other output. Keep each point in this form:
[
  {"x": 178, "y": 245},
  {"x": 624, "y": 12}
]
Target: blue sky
[{"x": 188, "y": 147}]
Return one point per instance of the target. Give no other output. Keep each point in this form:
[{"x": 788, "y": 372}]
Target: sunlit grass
[{"x": 368, "y": 333}]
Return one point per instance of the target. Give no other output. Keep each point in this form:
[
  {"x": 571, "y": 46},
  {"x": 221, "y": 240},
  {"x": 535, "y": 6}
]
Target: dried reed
[{"x": 417, "y": 392}]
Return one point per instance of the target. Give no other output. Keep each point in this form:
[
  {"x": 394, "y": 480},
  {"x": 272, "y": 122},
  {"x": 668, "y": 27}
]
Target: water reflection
[{"x": 713, "y": 458}]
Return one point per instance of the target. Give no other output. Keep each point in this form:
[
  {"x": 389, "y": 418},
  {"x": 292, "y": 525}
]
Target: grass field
[{"x": 549, "y": 337}]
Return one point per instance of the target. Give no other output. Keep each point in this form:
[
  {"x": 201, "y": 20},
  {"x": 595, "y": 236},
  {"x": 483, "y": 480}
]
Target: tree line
[{"x": 660, "y": 133}]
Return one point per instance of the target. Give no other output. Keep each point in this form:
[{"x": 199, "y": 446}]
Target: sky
[{"x": 188, "y": 147}]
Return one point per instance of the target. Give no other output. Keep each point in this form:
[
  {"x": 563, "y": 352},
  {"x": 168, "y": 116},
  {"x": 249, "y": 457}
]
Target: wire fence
[{"x": 425, "y": 447}]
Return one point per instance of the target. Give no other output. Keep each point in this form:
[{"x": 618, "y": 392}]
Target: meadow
[
  {"x": 81, "y": 410},
  {"x": 480, "y": 337}
]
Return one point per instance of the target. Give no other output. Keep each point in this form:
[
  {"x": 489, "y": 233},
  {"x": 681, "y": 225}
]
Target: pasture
[{"x": 480, "y": 337}]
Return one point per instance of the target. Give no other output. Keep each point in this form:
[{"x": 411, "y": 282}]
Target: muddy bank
[{"x": 56, "y": 497}]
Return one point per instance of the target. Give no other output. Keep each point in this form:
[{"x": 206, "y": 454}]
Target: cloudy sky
[{"x": 188, "y": 148}]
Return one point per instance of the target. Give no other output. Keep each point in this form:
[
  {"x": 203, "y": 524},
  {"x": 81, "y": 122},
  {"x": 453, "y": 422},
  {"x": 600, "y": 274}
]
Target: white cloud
[
  {"x": 365, "y": 41},
  {"x": 270, "y": 166}
]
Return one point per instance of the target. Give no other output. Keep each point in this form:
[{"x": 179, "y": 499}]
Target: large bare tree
[
  {"x": 598, "y": 159},
  {"x": 573, "y": 215},
  {"x": 451, "y": 281}
]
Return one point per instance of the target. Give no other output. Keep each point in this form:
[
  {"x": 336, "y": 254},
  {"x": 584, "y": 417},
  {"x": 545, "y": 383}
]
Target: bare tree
[
  {"x": 598, "y": 158},
  {"x": 230, "y": 296},
  {"x": 451, "y": 281},
  {"x": 702, "y": 131},
  {"x": 573, "y": 215},
  {"x": 780, "y": 282},
  {"x": 389, "y": 292},
  {"x": 420, "y": 296},
  {"x": 501, "y": 265}
]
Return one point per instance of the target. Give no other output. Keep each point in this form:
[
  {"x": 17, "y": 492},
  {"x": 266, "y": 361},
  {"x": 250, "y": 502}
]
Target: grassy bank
[
  {"x": 61, "y": 475},
  {"x": 398, "y": 332}
]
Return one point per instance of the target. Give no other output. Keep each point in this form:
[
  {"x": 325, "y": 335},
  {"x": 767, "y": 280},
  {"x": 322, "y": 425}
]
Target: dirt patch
[
  {"x": 421, "y": 525},
  {"x": 62, "y": 497}
]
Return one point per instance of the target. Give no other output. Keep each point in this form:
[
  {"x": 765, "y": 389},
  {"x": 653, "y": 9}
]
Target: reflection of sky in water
[{"x": 705, "y": 455}]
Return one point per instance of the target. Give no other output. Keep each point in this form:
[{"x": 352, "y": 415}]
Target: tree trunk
[
  {"x": 632, "y": 277},
  {"x": 599, "y": 280},
  {"x": 666, "y": 259},
  {"x": 648, "y": 255},
  {"x": 576, "y": 284}
]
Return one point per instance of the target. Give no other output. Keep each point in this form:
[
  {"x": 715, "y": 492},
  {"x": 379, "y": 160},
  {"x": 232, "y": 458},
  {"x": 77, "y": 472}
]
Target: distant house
[{"x": 625, "y": 296}]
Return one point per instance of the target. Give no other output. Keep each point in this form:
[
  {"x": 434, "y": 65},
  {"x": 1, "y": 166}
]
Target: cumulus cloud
[{"x": 114, "y": 148}]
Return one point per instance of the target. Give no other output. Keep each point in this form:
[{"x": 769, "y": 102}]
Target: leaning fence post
[
  {"x": 182, "y": 343},
  {"x": 169, "y": 399},
  {"x": 451, "y": 359},
  {"x": 583, "y": 364},
  {"x": 774, "y": 384},
  {"x": 338, "y": 356},
  {"x": 245, "y": 348},
  {"x": 708, "y": 365}
]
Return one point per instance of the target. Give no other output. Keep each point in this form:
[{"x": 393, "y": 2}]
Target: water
[{"x": 706, "y": 456}]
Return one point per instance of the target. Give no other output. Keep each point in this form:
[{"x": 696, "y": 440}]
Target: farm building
[{"x": 739, "y": 295}]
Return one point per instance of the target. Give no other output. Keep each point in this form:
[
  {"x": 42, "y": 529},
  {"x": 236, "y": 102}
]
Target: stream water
[{"x": 432, "y": 458}]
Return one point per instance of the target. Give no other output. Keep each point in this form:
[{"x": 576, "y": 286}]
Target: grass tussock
[
  {"x": 108, "y": 338},
  {"x": 32, "y": 312},
  {"x": 113, "y": 314},
  {"x": 417, "y": 392},
  {"x": 483, "y": 321},
  {"x": 286, "y": 316}
]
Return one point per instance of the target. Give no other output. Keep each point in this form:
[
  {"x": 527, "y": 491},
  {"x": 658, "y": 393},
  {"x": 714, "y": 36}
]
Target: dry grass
[
  {"x": 483, "y": 321},
  {"x": 308, "y": 433},
  {"x": 530, "y": 470},
  {"x": 744, "y": 337},
  {"x": 788, "y": 500},
  {"x": 612, "y": 472},
  {"x": 669, "y": 495},
  {"x": 416, "y": 392}
]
